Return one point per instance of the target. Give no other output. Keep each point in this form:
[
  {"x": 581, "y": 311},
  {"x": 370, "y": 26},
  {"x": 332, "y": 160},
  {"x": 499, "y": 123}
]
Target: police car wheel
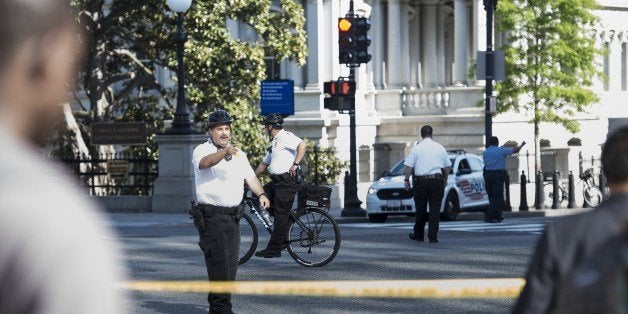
[
  {"x": 452, "y": 208},
  {"x": 377, "y": 218}
]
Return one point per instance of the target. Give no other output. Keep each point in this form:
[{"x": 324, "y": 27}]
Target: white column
[
  {"x": 615, "y": 62},
  {"x": 429, "y": 32},
  {"x": 440, "y": 45},
  {"x": 314, "y": 43},
  {"x": 393, "y": 62},
  {"x": 405, "y": 44},
  {"x": 378, "y": 28},
  {"x": 460, "y": 42},
  {"x": 479, "y": 31},
  {"x": 415, "y": 47}
]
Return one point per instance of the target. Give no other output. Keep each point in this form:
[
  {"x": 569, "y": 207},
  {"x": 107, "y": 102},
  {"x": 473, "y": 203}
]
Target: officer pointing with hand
[{"x": 220, "y": 171}]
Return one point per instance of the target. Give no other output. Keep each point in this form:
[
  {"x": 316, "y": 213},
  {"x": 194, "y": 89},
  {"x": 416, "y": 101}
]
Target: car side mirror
[
  {"x": 386, "y": 173},
  {"x": 463, "y": 172}
]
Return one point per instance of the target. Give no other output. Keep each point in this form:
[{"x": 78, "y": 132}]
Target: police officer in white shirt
[
  {"x": 220, "y": 171},
  {"x": 429, "y": 165},
  {"x": 282, "y": 161}
]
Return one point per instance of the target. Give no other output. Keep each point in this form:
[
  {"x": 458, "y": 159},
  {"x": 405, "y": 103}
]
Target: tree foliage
[
  {"x": 322, "y": 165},
  {"x": 130, "y": 41},
  {"x": 551, "y": 60}
]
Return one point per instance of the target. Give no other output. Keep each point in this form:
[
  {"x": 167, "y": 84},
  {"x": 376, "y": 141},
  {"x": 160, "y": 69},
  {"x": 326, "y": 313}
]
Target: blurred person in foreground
[
  {"x": 568, "y": 244},
  {"x": 54, "y": 251}
]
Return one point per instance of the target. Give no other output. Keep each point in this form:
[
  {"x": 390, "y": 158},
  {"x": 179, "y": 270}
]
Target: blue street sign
[{"x": 277, "y": 97}]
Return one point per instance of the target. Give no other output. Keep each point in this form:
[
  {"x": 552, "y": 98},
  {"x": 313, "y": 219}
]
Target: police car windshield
[{"x": 398, "y": 170}]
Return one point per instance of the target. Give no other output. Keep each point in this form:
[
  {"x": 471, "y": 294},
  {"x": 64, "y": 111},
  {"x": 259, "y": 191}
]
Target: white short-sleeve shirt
[
  {"x": 283, "y": 152},
  {"x": 223, "y": 183},
  {"x": 427, "y": 157}
]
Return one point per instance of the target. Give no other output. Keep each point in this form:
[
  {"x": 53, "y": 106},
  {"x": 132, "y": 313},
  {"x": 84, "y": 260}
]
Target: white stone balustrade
[{"x": 429, "y": 101}]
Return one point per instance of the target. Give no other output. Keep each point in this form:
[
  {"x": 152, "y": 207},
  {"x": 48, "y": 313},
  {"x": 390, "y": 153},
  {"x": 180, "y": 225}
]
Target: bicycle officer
[
  {"x": 495, "y": 177},
  {"x": 282, "y": 162},
  {"x": 220, "y": 171}
]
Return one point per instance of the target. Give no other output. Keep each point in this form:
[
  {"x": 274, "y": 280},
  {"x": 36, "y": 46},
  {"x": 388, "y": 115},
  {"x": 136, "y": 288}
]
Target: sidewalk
[{"x": 144, "y": 219}]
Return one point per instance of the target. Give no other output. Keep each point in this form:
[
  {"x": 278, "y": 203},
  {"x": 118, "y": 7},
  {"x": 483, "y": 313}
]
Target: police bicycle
[
  {"x": 590, "y": 192},
  {"x": 313, "y": 236}
]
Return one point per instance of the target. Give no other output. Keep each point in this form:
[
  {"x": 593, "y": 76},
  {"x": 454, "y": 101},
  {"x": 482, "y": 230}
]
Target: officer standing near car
[
  {"x": 282, "y": 161},
  {"x": 429, "y": 165},
  {"x": 495, "y": 177},
  {"x": 220, "y": 171}
]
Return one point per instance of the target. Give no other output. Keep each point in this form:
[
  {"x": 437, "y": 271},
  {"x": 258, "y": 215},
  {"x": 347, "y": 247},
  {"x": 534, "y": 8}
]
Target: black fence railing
[{"x": 115, "y": 174}]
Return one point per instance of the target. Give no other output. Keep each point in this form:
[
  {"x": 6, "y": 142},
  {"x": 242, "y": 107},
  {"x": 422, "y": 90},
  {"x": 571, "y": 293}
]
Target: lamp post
[
  {"x": 489, "y": 6},
  {"x": 181, "y": 123}
]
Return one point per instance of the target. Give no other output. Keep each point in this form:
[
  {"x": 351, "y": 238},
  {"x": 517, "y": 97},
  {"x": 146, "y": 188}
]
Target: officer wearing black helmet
[
  {"x": 220, "y": 171},
  {"x": 282, "y": 162}
]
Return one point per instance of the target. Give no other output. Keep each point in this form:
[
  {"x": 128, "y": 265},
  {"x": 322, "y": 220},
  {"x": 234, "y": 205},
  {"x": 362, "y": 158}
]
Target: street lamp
[
  {"x": 489, "y": 6},
  {"x": 181, "y": 123}
]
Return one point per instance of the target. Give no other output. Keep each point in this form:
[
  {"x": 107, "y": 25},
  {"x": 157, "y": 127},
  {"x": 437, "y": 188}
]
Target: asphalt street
[{"x": 164, "y": 247}]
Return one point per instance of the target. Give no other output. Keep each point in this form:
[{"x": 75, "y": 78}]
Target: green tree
[
  {"x": 550, "y": 61},
  {"x": 128, "y": 41},
  {"x": 322, "y": 165}
]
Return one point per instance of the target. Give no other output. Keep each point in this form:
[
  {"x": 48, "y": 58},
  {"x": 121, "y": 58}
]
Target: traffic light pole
[
  {"x": 352, "y": 203},
  {"x": 489, "y": 6}
]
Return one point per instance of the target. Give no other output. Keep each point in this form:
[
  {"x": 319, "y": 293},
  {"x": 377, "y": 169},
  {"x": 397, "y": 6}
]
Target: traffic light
[
  {"x": 353, "y": 40},
  {"x": 339, "y": 95}
]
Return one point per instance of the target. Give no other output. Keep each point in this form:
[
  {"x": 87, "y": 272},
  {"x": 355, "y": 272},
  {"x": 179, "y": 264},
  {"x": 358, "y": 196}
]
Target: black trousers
[
  {"x": 494, "y": 181},
  {"x": 427, "y": 191},
  {"x": 281, "y": 192},
  {"x": 220, "y": 243}
]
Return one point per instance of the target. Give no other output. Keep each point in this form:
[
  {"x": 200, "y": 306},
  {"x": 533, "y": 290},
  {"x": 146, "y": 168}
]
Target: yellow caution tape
[{"x": 455, "y": 288}]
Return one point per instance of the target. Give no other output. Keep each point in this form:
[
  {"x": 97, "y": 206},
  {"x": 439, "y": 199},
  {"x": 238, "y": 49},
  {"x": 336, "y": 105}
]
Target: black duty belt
[
  {"x": 430, "y": 176},
  {"x": 220, "y": 209}
]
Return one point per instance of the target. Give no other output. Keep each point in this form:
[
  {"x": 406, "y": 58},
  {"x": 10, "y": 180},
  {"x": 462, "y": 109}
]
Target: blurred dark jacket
[{"x": 564, "y": 246}]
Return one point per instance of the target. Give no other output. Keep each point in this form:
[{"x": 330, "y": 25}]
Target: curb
[{"x": 467, "y": 216}]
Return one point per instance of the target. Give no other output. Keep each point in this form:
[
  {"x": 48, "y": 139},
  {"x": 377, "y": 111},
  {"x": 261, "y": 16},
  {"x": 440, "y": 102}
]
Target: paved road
[{"x": 163, "y": 247}]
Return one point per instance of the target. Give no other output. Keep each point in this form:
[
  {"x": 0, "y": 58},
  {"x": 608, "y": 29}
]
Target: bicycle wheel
[
  {"x": 548, "y": 192},
  {"x": 592, "y": 196},
  {"x": 313, "y": 237},
  {"x": 248, "y": 238}
]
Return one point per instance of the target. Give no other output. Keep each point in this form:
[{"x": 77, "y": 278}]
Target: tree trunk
[{"x": 537, "y": 148}]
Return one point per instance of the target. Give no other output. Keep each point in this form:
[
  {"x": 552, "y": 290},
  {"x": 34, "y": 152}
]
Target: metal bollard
[
  {"x": 523, "y": 203},
  {"x": 539, "y": 197},
  {"x": 572, "y": 188},
  {"x": 507, "y": 206},
  {"x": 555, "y": 191}
]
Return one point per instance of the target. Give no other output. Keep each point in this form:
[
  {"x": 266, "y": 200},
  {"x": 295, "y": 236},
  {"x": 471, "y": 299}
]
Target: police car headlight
[{"x": 372, "y": 190}]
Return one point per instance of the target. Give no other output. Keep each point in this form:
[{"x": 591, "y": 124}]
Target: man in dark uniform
[
  {"x": 495, "y": 177},
  {"x": 429, "y": 165},
  {"x": 282, "y": 161},
  {"x": 566, "y": 244},
  {"x": 220, "y": 171}
]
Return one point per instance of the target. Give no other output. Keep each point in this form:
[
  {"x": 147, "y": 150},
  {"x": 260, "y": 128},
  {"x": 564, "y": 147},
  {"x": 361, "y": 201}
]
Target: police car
[{"x": 465, "y": 190}]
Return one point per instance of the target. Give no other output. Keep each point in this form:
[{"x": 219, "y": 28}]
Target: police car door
[
  {"x": 477, "y": 166},
  {"x": 464, "y": 181}
]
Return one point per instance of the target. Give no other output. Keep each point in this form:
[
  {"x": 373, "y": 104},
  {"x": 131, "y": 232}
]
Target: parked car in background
[{"x": 465, "y": 190}]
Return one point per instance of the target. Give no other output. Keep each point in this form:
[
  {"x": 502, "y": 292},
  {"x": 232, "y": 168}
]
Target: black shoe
[
  {"x": 415, "y": 238},
  {"x": 433, "y": 240},
  {"x": 500, "y": 219},
  {"x": 268, "y": 253}
]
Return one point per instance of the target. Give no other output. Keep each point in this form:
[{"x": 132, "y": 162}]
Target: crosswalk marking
[{"x": 464, "y": 226}]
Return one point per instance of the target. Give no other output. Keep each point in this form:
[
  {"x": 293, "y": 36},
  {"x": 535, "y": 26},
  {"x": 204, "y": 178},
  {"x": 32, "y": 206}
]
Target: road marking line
[{"x": 451, "y": 288}]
